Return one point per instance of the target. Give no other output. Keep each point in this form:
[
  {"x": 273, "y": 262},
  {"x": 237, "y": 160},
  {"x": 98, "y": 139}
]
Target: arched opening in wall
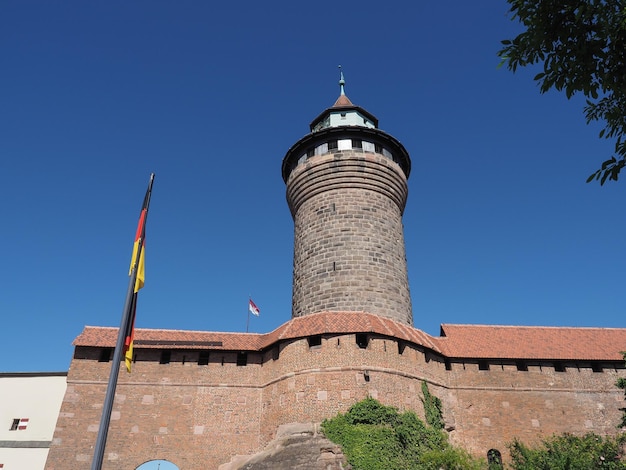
[
  {"x": 494, "y": 459},
  {"x": 157, "y": 465}
]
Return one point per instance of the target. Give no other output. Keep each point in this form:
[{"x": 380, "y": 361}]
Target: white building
[{"x": 29, "y": 407}]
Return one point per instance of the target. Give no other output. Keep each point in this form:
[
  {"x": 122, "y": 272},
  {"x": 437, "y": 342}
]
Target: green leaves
[
  {"x": 374, "y": 436},
  {"x": 582, "y": 46},
  {"x": 609, "y": 171},
  {"x": 568, "y": 452}
]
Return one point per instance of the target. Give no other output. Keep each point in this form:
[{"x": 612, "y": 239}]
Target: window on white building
[{"x": 19, "y": 424}]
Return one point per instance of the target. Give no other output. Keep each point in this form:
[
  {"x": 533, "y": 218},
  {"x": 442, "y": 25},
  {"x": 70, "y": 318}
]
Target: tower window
[
  {"x": 343, "y": 115},
  {"x": 332, "y": 145},
  {"x": 521, "y": 366},
  {"x": 362, "y": 340},
  {"x": 596, "y": 367},
  {"x": 321, "y": 149},
  {"x": 368, "y": 146},
  {"x": 401, "y": 347},
  {"x": 357, "y": 144},
  {"x": 559, "y": 367},
  {"x": 448, "y": 364},
  {"x": 483, "y": 365},
  {"x": 315, "y": 341},
  {"x": 203, "y": 358},
  {"x": 242, "y": 358},
  {"x": 166, "y": 356}
]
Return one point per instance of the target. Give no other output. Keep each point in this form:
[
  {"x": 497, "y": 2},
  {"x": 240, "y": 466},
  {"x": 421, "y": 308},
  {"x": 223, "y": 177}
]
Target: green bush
[
  {"x": 370, "y": 411},
  {"x": 568, "y": 452},
  {"x": 377, "y": 437}
]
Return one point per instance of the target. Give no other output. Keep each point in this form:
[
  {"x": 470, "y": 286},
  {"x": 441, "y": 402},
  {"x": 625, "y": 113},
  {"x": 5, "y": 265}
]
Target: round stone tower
[{"x": 347, "y": 189}]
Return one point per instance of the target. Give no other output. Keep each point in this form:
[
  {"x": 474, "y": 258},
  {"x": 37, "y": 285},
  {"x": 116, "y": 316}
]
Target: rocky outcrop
[{"x": 297, "y": 446}]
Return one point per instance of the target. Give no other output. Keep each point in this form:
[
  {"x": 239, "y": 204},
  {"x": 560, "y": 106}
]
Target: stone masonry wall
[
  {"x": 199, "y": 417},
  {"x": 349, "y": 252}
]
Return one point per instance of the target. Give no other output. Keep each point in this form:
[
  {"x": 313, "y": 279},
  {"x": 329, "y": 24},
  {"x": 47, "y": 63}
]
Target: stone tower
[{"x": 347, "y": 189}]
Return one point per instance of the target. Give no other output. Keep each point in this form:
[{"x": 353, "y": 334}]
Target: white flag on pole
[{"x": 254, "y": 310}]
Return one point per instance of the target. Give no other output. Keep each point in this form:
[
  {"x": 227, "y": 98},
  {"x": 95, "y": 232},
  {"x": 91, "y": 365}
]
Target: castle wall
[
  {"x": 490, "y": 408},
  {"x": 194, "y": 416},
  {"x": 200, "y": 416}
]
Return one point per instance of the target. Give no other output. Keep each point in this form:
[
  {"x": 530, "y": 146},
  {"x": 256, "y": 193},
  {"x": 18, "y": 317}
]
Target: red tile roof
[
  {"x": 343, "y": 100},
  {"x": 532, "y": 342},
  {"x": 457, "y": 341},
  {"x": 329, "y": 322}
]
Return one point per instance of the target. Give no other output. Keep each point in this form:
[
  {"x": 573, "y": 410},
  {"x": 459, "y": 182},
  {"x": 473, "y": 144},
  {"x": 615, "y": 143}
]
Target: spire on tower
[
  {"x": 343, "y": 100},
  {"x": 342, "y": 82}
]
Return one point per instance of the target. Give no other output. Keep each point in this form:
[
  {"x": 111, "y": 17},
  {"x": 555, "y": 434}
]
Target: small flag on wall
[{"x": 254, "y": 310}]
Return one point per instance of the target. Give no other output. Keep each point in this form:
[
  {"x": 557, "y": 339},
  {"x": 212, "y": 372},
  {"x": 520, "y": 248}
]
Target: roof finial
[{"x": 342, "y": 82}]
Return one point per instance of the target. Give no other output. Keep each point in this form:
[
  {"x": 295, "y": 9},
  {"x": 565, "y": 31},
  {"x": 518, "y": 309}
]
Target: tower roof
[
  {"x": 343, "y": 100},
  {"x": 343, "y": 113},
  {"x": 342, "y": 121}
]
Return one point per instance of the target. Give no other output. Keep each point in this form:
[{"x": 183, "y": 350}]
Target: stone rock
[{"x": 297, "y": 446}]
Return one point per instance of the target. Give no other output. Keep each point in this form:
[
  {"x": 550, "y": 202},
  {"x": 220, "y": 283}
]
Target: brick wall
[
  {"x": 349, "y": 250},
  {"x": 201, "y": 416}
]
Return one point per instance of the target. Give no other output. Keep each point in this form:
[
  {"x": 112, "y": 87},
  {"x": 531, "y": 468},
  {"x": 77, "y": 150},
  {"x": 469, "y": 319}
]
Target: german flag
[{"x": 137, "y": 269}]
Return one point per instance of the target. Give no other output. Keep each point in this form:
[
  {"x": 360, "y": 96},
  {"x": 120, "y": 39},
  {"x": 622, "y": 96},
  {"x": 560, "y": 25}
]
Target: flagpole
[
  {"x": 98, "y": 454},
  {"x": 105, "y": 420},
  {"x": 248, "y": 322}
]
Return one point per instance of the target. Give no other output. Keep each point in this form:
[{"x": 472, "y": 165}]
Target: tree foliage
[
  {"x": 568, "y": 452},
  {"x": 582, "y": 46},
  {"x": 377, "y": 437}
]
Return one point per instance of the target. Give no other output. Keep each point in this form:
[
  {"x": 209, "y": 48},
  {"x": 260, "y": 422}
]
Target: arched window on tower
[{"x": 494, "y": 459}]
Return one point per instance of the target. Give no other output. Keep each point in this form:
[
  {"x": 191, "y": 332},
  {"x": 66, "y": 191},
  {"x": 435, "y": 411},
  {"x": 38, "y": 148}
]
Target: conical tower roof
[{"x": 343, "y": 113}]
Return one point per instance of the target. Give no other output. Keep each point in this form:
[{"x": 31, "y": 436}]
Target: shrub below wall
[{"x": 378, "y": 437}]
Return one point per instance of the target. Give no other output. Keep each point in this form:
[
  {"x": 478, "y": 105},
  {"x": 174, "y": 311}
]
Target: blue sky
[{"x": 500, "y": 226}]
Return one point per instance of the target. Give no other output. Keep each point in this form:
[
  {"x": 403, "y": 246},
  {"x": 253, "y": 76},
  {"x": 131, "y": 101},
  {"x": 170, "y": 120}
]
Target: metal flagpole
[
  {"x": 105, "y": 420},
  {"x": 248, "y": 322},
  {"x": 101, "y": 440}
]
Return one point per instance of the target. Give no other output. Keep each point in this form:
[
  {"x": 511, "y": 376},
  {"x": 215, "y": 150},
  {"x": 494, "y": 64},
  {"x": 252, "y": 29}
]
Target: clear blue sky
[{"x": 500, "y": 226}]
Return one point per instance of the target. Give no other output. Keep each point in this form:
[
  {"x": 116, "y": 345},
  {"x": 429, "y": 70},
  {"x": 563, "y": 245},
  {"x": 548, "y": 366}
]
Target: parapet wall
[{"x": 200, "y": 416}]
